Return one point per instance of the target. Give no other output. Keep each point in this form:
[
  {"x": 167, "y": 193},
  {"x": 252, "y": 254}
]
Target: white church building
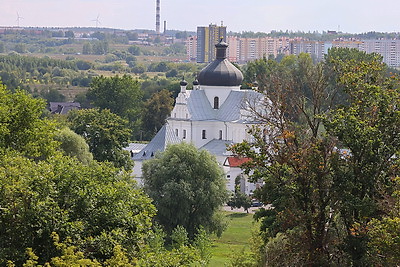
[{"x": 212, "y": 116}]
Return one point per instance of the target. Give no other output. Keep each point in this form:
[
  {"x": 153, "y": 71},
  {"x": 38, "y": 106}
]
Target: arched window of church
[
  {"x": 184, "y": 134},
  {"x": 176, "y": 132},
  {"x": 203, "y": 134},
  {"x": 216, "y": 102},
  {"x": 220, "y": 134}
]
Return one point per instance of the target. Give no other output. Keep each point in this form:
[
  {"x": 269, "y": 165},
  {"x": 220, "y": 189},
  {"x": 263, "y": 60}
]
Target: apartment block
[
  {"x": 191, "y": 48},
  {"x": 316, "y": 49},
  {"x": 389, "y": 49},
  {"x": 207, "y": 38}
]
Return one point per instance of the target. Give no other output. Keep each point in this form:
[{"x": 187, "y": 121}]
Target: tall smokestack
[
  {"x": 165, "y": 26},
  {"x": 158, "y": 16}
]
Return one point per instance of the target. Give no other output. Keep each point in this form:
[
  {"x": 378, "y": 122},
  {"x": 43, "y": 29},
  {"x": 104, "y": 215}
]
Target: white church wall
[{"x": 216, "y": 91}]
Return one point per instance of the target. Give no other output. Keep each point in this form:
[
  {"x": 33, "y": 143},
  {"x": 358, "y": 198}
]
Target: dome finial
[{"x": 221, "y": 49}]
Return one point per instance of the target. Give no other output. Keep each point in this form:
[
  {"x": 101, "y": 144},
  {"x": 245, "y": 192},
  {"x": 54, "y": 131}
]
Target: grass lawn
[{"x": 234, "y": 239}]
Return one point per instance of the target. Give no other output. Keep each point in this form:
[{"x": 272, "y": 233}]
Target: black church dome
[
  {"x": 220, "y": 72},
  {"x": 183, "y": 82}
]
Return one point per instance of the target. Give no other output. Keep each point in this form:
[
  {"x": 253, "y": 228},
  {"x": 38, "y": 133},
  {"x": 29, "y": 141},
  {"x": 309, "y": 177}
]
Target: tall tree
[
  {"x": 324, "y": 187},
  {"x": 369, "y": 127},
  {"x": 293, "y": 159},
  {"x": 22, "y": 127},
  {"x": 106, "y": 134},
  {"x": 155, "y": 112},
  {"x": 188, "y": 188},
  {"x": 121, "y": 95}
]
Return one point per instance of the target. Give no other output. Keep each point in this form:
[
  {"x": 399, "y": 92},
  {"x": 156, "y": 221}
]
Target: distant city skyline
[{"x": 352, "y": 16}]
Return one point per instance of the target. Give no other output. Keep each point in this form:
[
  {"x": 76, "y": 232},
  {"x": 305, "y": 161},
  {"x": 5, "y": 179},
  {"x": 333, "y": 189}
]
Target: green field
[{"x": 234, "y": 239}]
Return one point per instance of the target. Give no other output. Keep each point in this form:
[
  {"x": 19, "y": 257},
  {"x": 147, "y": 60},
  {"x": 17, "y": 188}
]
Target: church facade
[{"x": 212, "y": 116}]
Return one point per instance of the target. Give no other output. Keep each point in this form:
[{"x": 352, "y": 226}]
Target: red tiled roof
[{"x": 236, "y": 161}]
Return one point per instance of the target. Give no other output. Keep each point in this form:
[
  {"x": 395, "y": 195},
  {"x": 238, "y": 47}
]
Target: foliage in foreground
[
  {"x": 59, "y": 209},
  {"x": 327, "y": 163},
  {"x": 96, "y": 206}
]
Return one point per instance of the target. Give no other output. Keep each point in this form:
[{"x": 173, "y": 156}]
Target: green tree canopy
[
  {"x": 106, "y": 134},
  {"x": 369, "y": 127},
  {"x": 188, "y": 188},
  {"x": 97, "y": 206},
  {"x": 326, "y": 163},
  {"x": 155, "y": 112},
  {"x": 121, "y": 95},
  {"x": 22, "y": 126},
  {"x": 72, "y": 144}
]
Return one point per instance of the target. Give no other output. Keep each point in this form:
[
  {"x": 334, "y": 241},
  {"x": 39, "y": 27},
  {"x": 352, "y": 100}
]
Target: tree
[
  {"x": 134, "y": 50},
  {"x": 292, "y": 157},
  {"x": 369, "y": 127},
  {"x": 100, "y": 47},
  {"x": 121, "y": 95},
  {"x": 325, "y": 166},
  {"x": 87, "y": 49},
  {"x": 74, "y": 145},
  {"x": 383, "y": 234},
  {"x": 2, "y": 47},
  {"x": 20, "y": 48},
  {"x": 83, "y": 65},
  {"x": 22, "y": 127},
  {"x": 239, "y": 199},
  {"x": 155, "y": 112},
  {"x": 187, "y": 187},
  {"x": 52, "y": 95},
  {"x": 69, "y": 34},
  {"x": 95, "y": 206},
  {"x": 106, "y": 134},
  {"x": 171, "y": 73}
]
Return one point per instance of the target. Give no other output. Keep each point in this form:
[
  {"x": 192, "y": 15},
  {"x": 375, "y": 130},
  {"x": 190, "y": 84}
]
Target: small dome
[
  {"x": 196, "y": 82},
  {"x": 221, "y": 72},
  {"x": 183, "y": 82}
]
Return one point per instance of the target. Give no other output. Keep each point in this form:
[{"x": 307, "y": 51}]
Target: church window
[
  {"x": 220, "y": 134},
  {"x": 216, "y": 102},
  {"x": 176, "y": 132},
  {"x": 184, "y": 134},
  {"x": 203, "y": 134}
]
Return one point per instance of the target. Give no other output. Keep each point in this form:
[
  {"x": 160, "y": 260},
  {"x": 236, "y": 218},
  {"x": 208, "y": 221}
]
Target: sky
[{"x": 351, "y": 16}]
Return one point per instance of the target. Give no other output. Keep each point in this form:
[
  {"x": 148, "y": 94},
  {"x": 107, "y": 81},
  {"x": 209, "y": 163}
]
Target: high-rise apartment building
[
  {"x": 191, "y": 48},
  {"x": 207, "y": 38},
  {"x": 316, "y": 49},
  {"x": 388, "y": 48},
  {"x": 233, "y": 51}
]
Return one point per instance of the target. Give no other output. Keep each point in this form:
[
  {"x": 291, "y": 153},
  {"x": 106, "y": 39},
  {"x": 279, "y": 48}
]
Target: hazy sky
[{"x": 353, "y": 16}]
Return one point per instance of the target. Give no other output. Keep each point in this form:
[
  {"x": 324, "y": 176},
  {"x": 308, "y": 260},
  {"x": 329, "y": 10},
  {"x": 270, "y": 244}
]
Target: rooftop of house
[{"x": 63, "y": 107}]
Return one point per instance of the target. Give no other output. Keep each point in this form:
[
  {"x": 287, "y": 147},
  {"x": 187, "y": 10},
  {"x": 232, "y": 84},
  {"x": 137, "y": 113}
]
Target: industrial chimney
[
  {"x": 158, "y": 16},
  {"x": 165, "y": 27}
]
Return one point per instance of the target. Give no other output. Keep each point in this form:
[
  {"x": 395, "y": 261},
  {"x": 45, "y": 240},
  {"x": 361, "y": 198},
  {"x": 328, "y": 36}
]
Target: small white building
[{"x": 212, "y": 116}]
